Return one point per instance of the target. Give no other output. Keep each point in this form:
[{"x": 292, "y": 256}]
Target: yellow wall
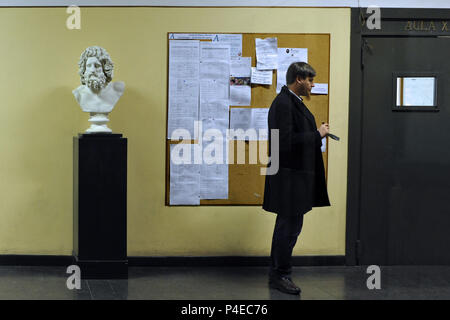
[{"x": 39, "y": 116}]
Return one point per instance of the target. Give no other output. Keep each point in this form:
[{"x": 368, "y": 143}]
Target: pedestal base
[
  {"x": 99, "y": 123},
  {"x": 100, "y": 206},
  {"x": 102, "y": 269}
]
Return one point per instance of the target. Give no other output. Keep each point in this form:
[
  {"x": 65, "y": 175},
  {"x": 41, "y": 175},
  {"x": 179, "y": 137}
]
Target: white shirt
[{"x": 301, "y": 100}]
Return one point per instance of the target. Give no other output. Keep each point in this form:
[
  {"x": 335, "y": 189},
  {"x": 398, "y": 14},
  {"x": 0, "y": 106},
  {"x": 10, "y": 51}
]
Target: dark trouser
[{"x": 285, "y": 234}]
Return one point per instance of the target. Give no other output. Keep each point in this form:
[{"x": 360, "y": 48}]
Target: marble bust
[{"x": 97, "y": 94}]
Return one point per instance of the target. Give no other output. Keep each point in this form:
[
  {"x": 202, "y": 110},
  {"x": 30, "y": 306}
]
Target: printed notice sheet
[
  {"x": 214, "y": 71},
  {"x": 214, "y": 111},
  {"x": 215, "y": 51},
  {"x": 214, "y": 84},
  {"x": 184, "y": 178},
  {"x": 218, "y": 109},
  {"x": 214, "y": 89},
  {"x": 241, "y": 67},
  {"x": 320, "y": 88},
  {"x": 214, "y": 181},
  {"x": 183, "y": 85},
  {"x": 286, "y": 56},
  {"x": 252, "y": 120},
  {"x": 240, "y": 95},
  {"x": 260, "y": 122},
  {"x": 240, "y": 118},
  {"x": 191, "y": 36},
  {"x": 261, "y": 76},
  {"x": 266, "y": 53},
  {"x": 214, "y": 167},
  {"x": 240, "y": 90},
  {"x": 234, "y": 40},
  {"x": 418, "y": 91}
]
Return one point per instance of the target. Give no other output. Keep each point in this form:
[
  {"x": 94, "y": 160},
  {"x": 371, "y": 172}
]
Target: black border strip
[
  {"x": 354, "y": 140},
  {"x": 35, "y": 260}
]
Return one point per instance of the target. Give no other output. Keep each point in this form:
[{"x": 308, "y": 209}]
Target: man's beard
[
  {"x": 307, "y": 95},
  {"x": 305, "y": 92},
  {"x": 95, "y": 82}
]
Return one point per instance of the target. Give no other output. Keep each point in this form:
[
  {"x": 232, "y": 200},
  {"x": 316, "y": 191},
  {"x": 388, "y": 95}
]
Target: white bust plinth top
[{"x": 104, "y": 101}]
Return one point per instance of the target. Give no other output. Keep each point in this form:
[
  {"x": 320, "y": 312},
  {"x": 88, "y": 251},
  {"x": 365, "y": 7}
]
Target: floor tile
[{"x": 228, "y": 283}]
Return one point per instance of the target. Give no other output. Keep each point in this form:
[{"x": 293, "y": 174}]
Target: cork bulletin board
[{"x": 246, "y": 184}]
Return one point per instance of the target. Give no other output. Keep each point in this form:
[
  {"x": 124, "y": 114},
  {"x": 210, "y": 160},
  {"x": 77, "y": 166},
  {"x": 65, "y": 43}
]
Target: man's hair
[
  {"x": 299, "y": 69},
  {"x": 102, "y": 56}
]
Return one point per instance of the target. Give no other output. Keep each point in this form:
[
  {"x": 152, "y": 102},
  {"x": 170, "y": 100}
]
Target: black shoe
[{"x": 284, "y": 284}]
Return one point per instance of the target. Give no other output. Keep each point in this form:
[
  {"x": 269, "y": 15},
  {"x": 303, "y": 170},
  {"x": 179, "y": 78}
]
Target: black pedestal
[{"x": 100, "y": 205}]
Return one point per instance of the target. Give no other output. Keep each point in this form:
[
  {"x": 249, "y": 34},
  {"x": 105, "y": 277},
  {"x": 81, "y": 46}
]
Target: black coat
[{"x": 299, "y": 183}]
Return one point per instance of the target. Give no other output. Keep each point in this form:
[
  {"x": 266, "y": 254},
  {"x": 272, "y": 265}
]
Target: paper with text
[
  {"x": 287, "y": 56},
  {"x": 183, "y": 85},
  {"x": 266, "y": 53}
]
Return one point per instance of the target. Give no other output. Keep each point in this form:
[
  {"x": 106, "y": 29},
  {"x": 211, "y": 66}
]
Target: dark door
[{"x": 405, "y": 157}]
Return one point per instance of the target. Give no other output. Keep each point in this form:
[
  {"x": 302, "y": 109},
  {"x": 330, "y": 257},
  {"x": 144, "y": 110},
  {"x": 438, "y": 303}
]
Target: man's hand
[{"x": 324, "y": 129}]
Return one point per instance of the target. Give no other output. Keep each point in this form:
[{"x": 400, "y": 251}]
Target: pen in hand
[{"x": 332, "y": 136}]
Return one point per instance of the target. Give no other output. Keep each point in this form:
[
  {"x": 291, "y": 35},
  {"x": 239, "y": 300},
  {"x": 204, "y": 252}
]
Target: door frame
[{"x": 394, "y": 23}]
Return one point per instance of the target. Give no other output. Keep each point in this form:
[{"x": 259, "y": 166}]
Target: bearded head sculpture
[
  {"x": 97, "y": 94},
  {"x": 95, "y": 68}
]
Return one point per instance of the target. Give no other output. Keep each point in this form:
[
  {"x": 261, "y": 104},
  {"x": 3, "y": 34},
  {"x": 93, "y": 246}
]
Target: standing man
[{"x": 299, "y": 183}]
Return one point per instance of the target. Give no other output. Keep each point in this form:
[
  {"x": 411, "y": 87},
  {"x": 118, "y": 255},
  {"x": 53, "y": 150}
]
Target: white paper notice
[
  {"x": 214, "y": 114},
  {"x": 261, "y": 77},
  {"x": 214, "y": 71},
  {"x": 253, "y": 119},
  {"x": 323, "y": 148},
  {"x": 215, "y": 83},
  {"x": 266, "y": 53},
  {"x": 212, "y": 89},
  {"x": 287, "y": 56},
  {"x": 184, "y": 178},
  {"x": 241, "y": 67},
  {"x": 418, "y": 91},
  {"x": 260, "y": 122},
  {"x": 240, "y": 118},
  {"x": 240, "y": 90},
  {"x": 191, "y": 36},
  {"x": 214, "y": 109},
  {"x": 183, "y": 85},
  {"x": 214, "y": 141},
  {"x": 320, "y": 88},
  {"x": 214, "y": 129},
  {"x": 214, "y": 168},
  {"x": 235, "y": 42},
  {"x": 240, "y": 95},
  {"x": 214, "y": 181},
  {"x": 214, "y": 51}
]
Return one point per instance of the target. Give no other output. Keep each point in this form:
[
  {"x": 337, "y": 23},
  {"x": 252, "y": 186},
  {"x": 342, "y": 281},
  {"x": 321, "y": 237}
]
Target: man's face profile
[
  {"x": 94, "y": 77},
  {"x": 306, "y": 86}
]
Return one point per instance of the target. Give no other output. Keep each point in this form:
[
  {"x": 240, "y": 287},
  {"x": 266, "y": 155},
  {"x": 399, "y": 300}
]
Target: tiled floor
[{"x": 249, "y": 283}]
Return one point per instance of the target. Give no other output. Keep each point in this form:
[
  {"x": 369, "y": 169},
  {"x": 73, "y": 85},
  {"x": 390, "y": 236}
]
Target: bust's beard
[{"x": 96, "y": 82}]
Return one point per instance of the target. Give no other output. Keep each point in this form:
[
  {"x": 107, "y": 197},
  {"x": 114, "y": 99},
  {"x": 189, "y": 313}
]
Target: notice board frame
[{"x": 245, "y": 183}]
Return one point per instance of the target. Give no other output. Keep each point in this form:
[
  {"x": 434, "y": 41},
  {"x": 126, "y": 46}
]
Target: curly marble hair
[{"x": 102, "y": 56}]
